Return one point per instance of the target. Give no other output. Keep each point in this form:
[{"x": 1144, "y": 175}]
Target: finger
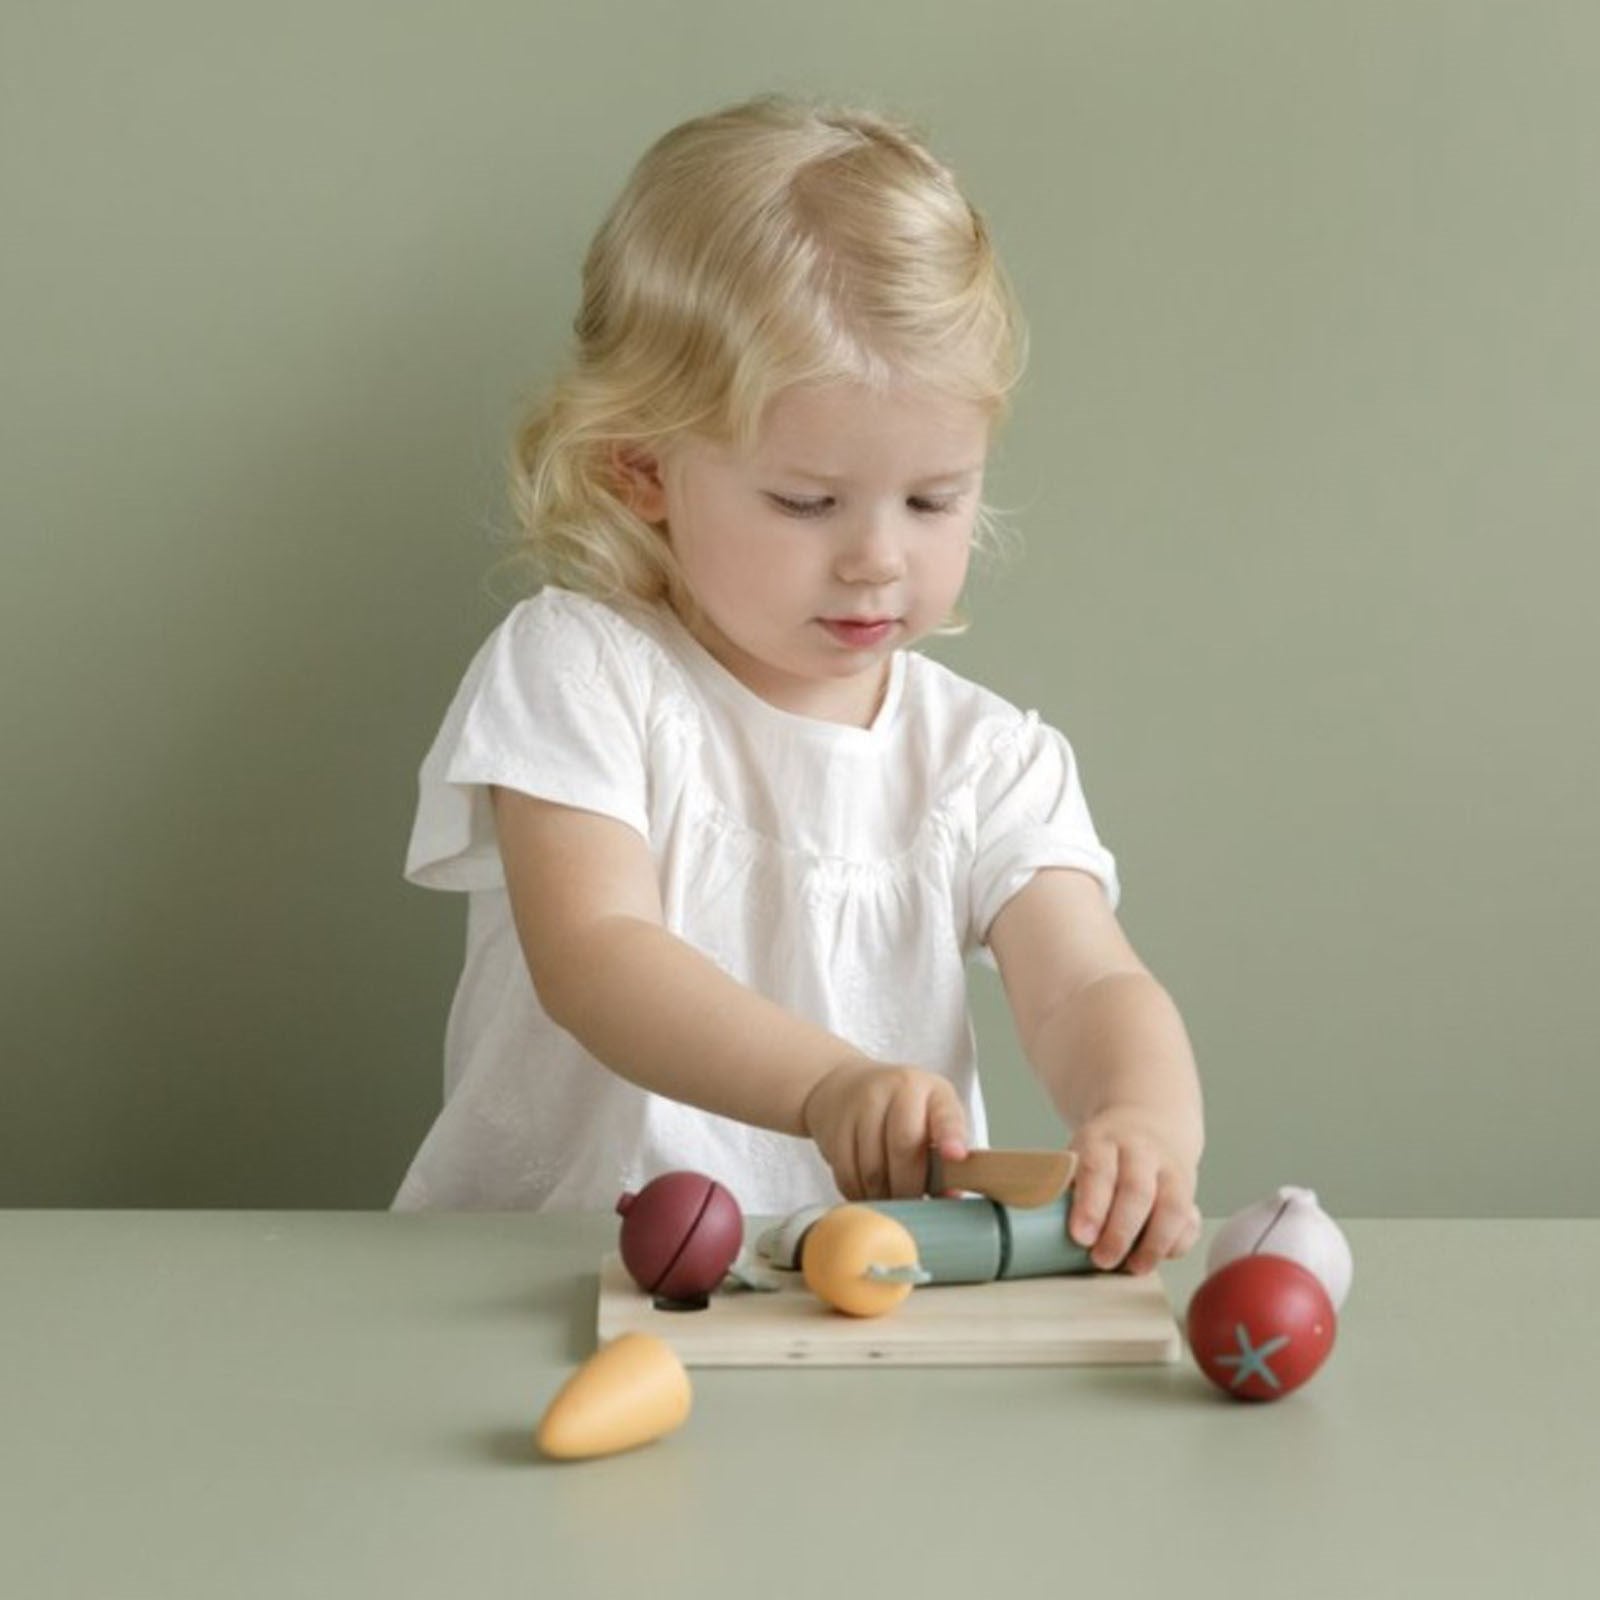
[
  {"x": 848, "y": 1178},
  {"x": 906, "y": 1140},
  {"x": 1169, "y": 1221},
  {"x": 1191, "y": 1233},
  {"x": 1093, "y": 1186},
  {"x": 946, "y": 1133},
  {"x": 842, "y": 1158},
  {"x": 947, "y": 1122},
  {"x": 1131, "y": 1206},
  {"x": 872, "y": 1159}
]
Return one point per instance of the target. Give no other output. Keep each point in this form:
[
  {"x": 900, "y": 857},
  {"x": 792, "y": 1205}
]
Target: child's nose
[{"x": 874, "y": 551}]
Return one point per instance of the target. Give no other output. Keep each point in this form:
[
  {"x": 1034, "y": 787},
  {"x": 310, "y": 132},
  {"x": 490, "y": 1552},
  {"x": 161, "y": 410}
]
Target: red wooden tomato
[{"x": 1261, "y": 1326}]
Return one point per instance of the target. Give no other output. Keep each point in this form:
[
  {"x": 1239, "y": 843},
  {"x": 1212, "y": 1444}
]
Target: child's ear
[{"x": 638, "y": 482}]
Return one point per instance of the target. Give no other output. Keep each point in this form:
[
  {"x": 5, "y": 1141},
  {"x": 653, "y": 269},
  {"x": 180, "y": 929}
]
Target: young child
[{"x": 728, "y": 841}]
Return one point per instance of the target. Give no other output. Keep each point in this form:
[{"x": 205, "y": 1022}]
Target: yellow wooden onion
[{"x": 843, "y": 1246}]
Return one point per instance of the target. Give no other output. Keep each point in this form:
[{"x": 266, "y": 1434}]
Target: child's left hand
[{"x": 1135, "y": 1187}]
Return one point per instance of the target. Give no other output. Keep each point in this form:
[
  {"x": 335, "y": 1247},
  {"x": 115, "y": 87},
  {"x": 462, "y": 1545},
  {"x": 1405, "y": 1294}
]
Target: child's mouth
[{"x": 859, "y": 635}]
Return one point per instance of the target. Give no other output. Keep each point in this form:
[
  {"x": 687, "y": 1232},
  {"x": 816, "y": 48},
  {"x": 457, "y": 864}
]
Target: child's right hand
[{"x": 875, "y": 1123}]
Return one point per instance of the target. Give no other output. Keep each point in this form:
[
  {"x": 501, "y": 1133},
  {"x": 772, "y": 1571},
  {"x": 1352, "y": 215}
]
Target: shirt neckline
[{"x": 738, "y": 694}]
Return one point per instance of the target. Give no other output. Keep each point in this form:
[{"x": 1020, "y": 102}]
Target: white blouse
[{"x": 846, "y": 873}]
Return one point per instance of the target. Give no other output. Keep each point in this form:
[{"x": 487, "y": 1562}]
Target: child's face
[{"x": 854, "y": 505}]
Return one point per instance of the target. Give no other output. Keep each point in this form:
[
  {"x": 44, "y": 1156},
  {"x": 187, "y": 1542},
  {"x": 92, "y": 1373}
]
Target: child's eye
[
  {"x": 815, "y": 508},
  {"x": 799, "y": 508}
]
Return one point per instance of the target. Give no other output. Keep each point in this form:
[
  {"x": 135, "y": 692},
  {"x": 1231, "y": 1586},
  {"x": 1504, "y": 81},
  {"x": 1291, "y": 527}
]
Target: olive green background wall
[{"x": 1305, "y": 464}]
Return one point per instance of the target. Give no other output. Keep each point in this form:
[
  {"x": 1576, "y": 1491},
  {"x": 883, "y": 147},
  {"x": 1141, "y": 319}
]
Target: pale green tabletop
[{"x": 228, "y": 1405}]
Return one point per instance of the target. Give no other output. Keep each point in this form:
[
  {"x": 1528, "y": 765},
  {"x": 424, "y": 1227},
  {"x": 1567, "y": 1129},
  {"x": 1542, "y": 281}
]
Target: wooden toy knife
[{"x": 1013, "y": 1177}]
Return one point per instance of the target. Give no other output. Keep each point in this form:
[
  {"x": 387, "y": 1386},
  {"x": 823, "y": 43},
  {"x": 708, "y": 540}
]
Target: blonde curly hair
[{"x": 771, "y": 243}]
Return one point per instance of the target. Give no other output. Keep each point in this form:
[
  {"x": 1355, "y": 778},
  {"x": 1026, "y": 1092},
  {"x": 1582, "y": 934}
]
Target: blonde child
[{"x": 729, "y": 842}]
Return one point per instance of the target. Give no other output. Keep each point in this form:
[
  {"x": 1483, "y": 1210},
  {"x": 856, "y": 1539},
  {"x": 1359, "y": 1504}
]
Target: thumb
[{"x": 947, "y": 1123}]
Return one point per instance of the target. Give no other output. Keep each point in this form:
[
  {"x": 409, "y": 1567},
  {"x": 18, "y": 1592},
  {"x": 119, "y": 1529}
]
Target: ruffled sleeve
[
  {"x": 1031, "y": 813},
  {"x": 550, "y": 705}
]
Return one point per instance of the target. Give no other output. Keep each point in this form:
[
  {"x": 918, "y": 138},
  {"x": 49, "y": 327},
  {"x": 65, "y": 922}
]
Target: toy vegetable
[
  {"x": 957, "y": 1241},
  {"x": 1260, "y": 1327},
  {"x": 627, "y": 1393},
  {"x": 1289, "y": 1223},
  {"x": 679, "y": 1236},
  {"x": 860, "y": 1261}
]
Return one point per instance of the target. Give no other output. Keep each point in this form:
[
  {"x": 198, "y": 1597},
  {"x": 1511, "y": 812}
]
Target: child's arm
[
  {"x": 587, "y": 908},
  {"x": 1111, "y": 1049}
]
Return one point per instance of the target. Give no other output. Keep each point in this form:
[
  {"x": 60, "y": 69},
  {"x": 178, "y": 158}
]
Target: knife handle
[{"x": 1013, "y": 1177}]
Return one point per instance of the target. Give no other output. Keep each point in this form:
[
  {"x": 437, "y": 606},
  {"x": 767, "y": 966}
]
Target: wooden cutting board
[{"x": 1059, "y": 1321}]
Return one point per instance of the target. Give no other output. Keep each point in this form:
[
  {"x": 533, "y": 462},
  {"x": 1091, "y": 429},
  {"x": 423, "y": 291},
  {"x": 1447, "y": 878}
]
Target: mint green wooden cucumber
[{"x": 974, "y": 1240}]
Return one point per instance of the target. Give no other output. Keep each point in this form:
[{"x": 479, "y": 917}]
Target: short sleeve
[
  {"x": 1031, "y": 813},
  {"x": 550, "y": 705}
]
